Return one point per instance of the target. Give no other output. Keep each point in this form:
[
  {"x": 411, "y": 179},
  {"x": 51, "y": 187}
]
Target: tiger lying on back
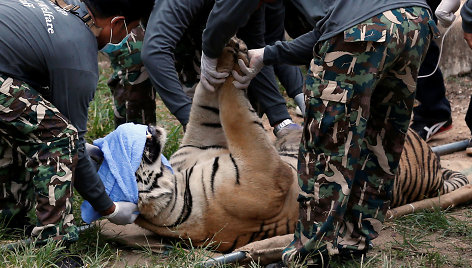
[{"x": 232, "y": 186}]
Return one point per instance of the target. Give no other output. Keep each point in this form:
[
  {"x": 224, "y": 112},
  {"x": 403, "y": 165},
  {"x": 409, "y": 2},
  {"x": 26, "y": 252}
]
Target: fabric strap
[{"x": 87, "y": 19}]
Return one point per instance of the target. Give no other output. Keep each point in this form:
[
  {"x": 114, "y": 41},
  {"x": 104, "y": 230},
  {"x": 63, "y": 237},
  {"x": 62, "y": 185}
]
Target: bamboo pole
[{"x": 448, "y": 200}]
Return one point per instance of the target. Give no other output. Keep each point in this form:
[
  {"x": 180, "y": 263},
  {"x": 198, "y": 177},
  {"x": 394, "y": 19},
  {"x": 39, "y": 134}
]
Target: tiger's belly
[{"x": 217, "y": 202}]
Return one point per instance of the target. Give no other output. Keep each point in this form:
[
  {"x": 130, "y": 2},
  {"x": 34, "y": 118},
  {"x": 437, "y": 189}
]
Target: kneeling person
[{"x": 48, "y": 76}]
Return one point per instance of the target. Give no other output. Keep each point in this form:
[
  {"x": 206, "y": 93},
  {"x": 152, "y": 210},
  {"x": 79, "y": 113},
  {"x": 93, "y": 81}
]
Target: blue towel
[{"x": 123, "y": 150}]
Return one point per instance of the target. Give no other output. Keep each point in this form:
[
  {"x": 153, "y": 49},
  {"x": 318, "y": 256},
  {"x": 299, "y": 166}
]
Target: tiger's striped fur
[
  {"x": 420, "y": 174},
  {"x": 231, "y": 185}
]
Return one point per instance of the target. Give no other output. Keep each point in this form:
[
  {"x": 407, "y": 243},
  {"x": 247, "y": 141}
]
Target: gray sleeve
[
  {"x": 226, "y": 17},
  {"x": 72, "y": 92},
  {"x": 296, "y": 52},
  {"x": 168, "y": 21},
  {"x": 466, "y": 14}
]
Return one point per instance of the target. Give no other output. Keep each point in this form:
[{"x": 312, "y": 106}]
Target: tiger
[{"x": 233, "y": 185}]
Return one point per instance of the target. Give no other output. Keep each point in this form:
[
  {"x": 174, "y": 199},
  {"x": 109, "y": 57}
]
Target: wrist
[{"x": 108, "y": 211}]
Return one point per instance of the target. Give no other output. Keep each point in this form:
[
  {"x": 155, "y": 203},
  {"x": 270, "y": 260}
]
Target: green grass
[
  {"x": 438, "y": 221},
  {"x": 419, "y": 234},
  {"x": 100, "y": 121}
]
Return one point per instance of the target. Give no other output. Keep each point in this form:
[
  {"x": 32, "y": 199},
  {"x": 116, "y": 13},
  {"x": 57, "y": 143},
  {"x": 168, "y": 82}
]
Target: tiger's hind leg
[{"x": 420, "y": 174}]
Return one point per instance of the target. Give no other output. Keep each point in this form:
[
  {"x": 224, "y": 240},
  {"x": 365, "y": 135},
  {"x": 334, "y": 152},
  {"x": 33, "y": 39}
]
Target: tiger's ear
[{"x": 155, "y": 141}]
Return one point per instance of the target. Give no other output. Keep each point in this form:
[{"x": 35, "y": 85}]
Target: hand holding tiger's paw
[
  {"x": 256, "y": 63},
  {"x": 125, "y": 213},
  {"x": 445, "y": 12},
  {"x": 209, "y": 75}
]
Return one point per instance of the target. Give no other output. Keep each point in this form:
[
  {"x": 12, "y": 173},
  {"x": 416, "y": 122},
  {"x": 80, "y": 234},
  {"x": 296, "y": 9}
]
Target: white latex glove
[
  {"x": 124, "y": 213},
  {"x": 256, "y": 57},
  {"x": 209, "y": 76},
  {"x": 445, "y": 12}
]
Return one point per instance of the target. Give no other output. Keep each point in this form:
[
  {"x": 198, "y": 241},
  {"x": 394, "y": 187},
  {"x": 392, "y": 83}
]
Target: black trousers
[
  {"x": 263, "y": 89},
  {"x": 430, "y": 91}
]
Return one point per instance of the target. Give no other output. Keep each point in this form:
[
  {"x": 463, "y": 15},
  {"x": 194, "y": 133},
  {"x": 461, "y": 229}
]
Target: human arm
[
  {"x": 168, "y": 21},
  {"x": 466, "y": 14},
  {"x": 72, "y": 91},
  {"x": 224, "y": 20},
  {"x": 445, "y": 12},
  {"x": 299, "y": 51},
  {"x": 296, "y": 52},
  {"x": 91, "y": 188}
]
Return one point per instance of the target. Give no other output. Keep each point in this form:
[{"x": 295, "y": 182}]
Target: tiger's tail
[{"x": 453, "y": 180}]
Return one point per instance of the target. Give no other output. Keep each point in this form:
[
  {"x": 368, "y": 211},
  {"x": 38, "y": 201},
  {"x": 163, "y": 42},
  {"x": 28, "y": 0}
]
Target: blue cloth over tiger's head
[{"x": 118, "y": 157}]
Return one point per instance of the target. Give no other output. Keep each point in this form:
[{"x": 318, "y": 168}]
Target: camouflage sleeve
[
  {"x": 296, "y": 52},
  {"x": 466, "y": 14}
]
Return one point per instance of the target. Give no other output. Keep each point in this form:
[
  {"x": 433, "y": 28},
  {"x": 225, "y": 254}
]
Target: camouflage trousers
[
  {"x": 359, "y": 95},
  {"x": 38, "y": 155},
  {"x": 133, "y": 102}
]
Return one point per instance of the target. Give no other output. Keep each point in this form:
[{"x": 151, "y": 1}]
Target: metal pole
[
  {"x": 451, "y": 147},
  {"x": 225, "y": 259}
]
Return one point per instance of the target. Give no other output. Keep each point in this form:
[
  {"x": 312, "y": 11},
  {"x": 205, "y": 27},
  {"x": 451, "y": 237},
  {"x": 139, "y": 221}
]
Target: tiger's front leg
[
  {"x": 204, "y": 138},
  {"x": 204, "y": 126},
  {"x": 262, "y": 171}
]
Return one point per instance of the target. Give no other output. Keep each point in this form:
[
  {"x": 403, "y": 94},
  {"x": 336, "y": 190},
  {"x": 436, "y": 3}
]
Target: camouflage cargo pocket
[
  {"x": 367, "y": 31},
  {"x": 328, "y": 120}
]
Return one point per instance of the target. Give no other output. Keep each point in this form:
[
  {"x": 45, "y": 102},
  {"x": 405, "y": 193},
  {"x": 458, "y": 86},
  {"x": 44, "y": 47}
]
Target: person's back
[
  {"x": 331, "y": 17},
  {"x": 48, "y": 76},
  {"x": 50, "y": 49},
  {"x": 40, "y": 38}
]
